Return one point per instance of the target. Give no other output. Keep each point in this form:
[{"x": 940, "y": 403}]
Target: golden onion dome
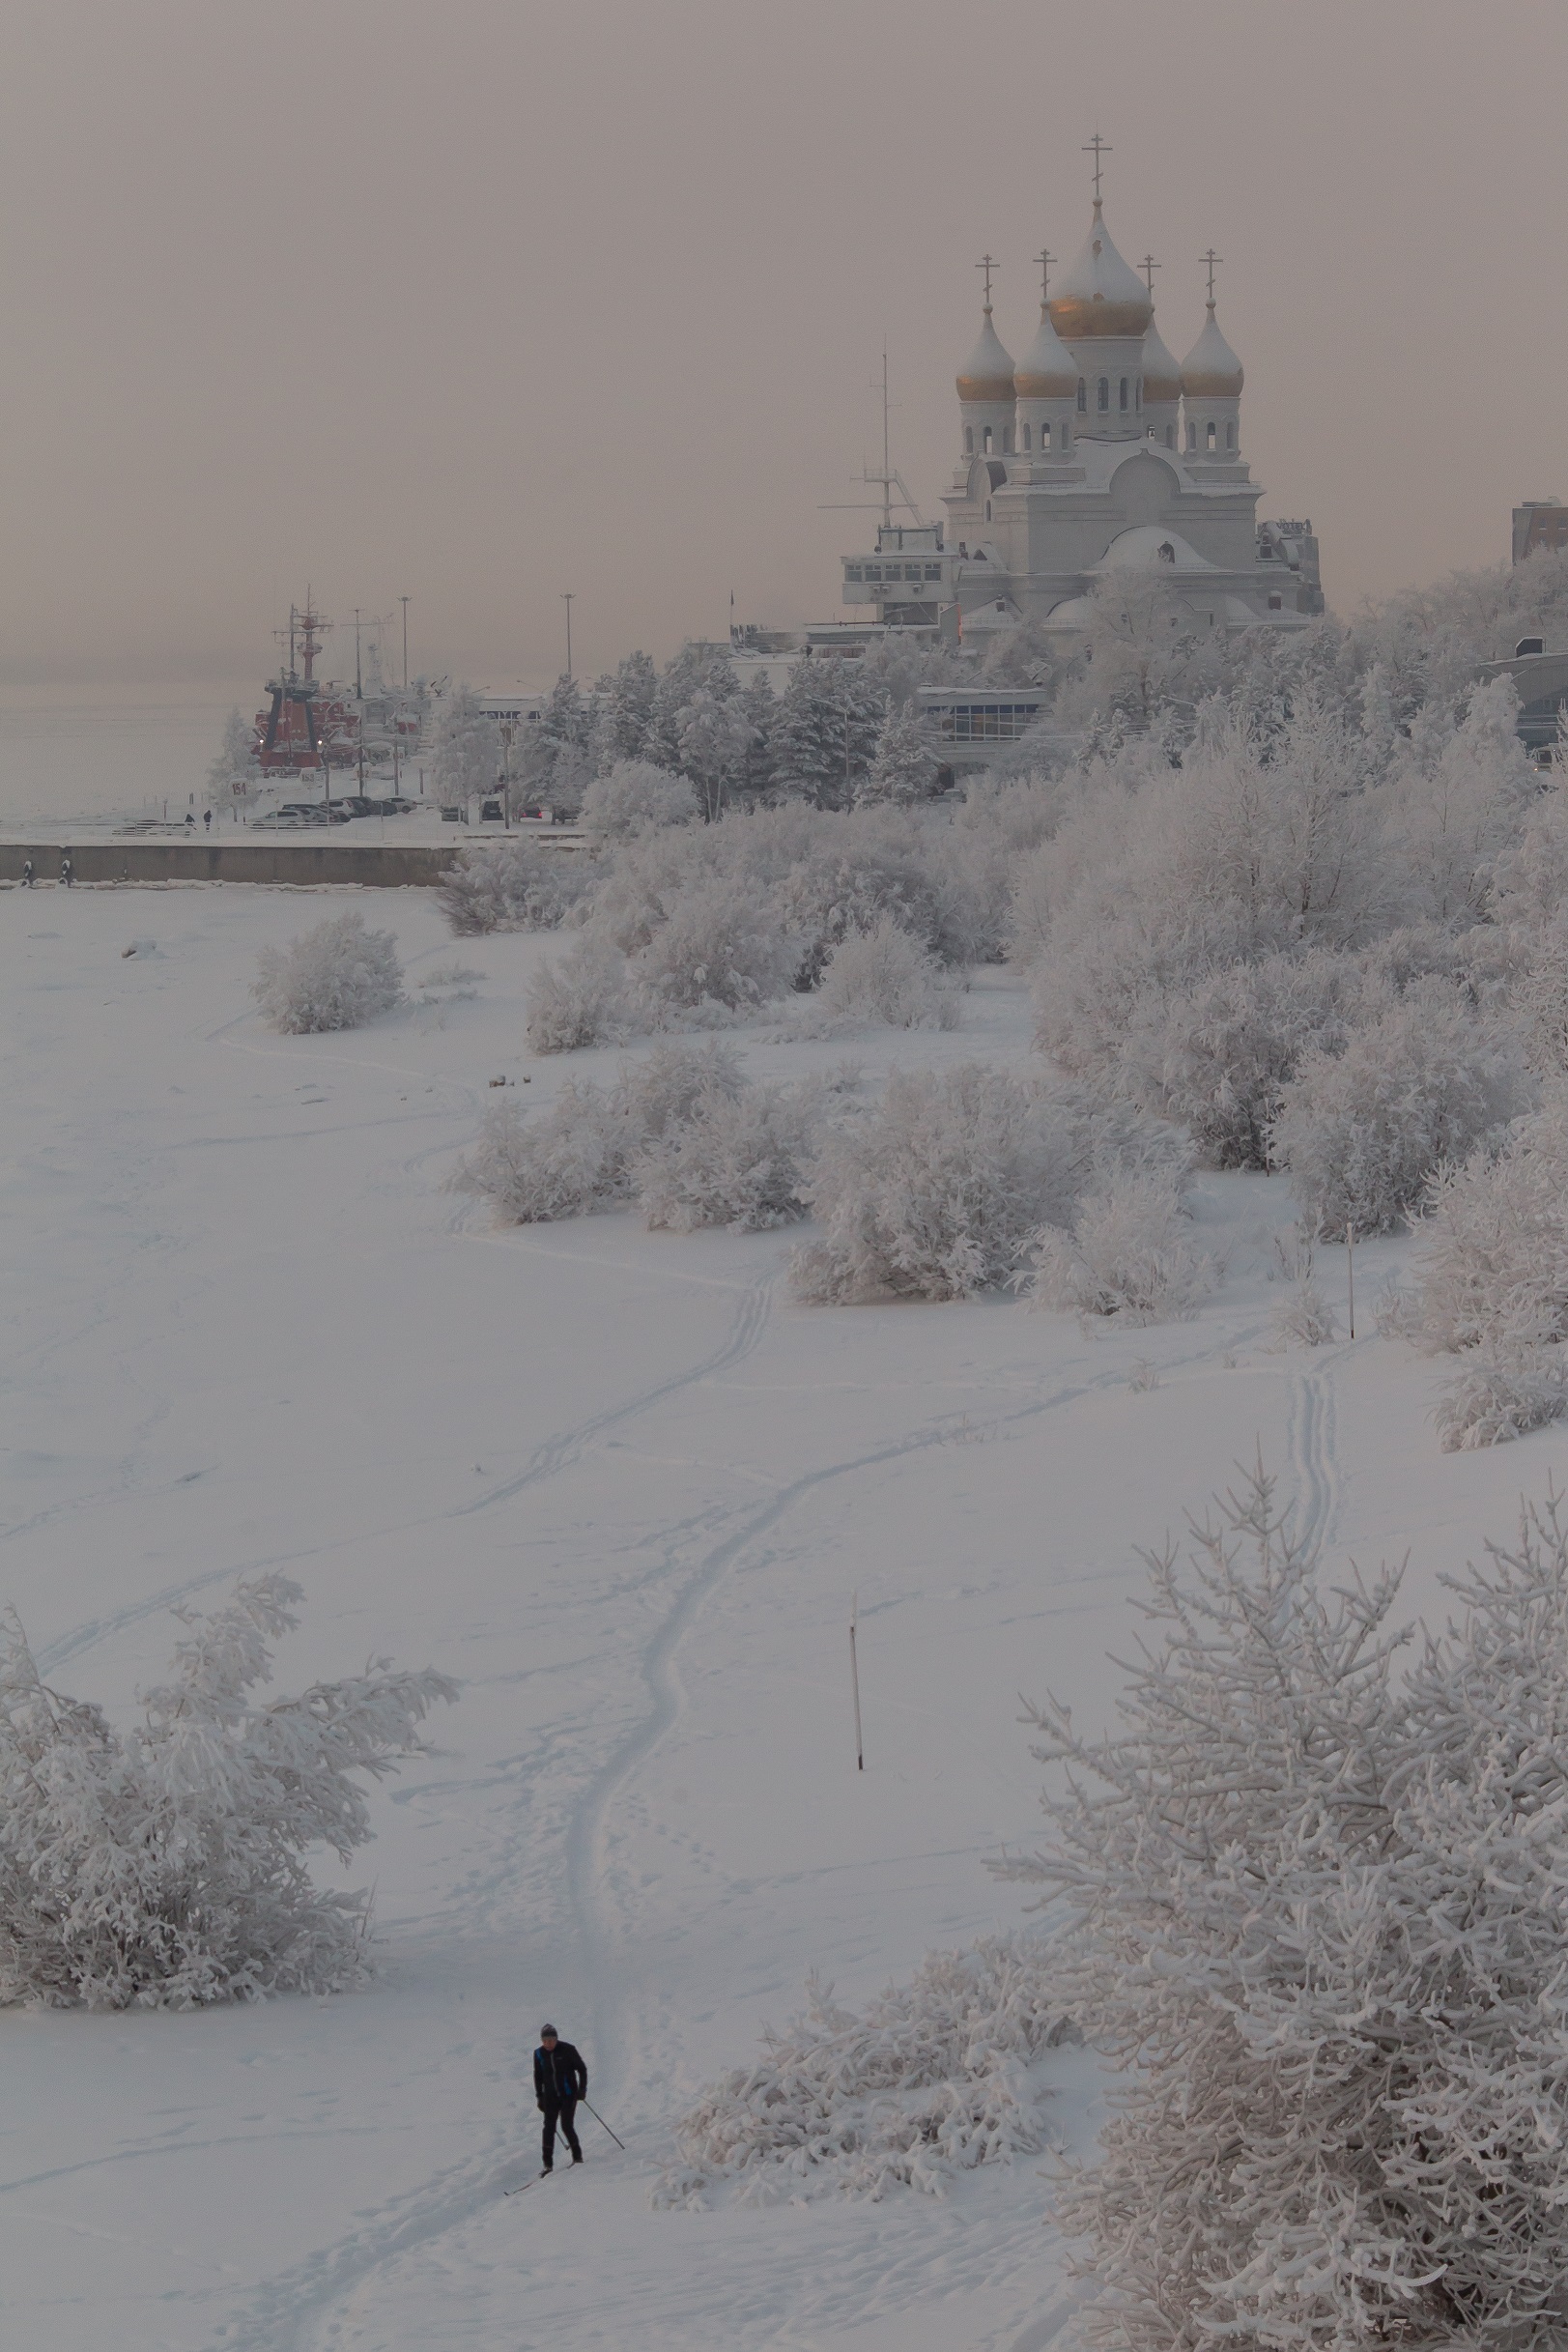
[
  {"x": 1211, "y": 370},
  {"x": 1047, "y": 370},
  {"x": 1099, "y": 294},
  {"x": 1161, "y": 376},
  {"x": 988, "y": 372}
]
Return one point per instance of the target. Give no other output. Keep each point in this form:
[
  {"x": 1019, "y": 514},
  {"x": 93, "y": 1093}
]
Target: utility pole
[
  {"x": 404, "y": 602},
  {"x": 360, "y": 702},
  {"x": 567, "y": 600}
]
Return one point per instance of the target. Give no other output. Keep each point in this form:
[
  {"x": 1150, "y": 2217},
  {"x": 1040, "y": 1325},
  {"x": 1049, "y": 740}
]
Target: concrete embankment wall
[{"x": 376, "y": 865}]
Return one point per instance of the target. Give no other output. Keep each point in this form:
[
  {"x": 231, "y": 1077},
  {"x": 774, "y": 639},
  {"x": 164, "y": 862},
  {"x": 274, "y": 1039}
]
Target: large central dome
[{"x": 1099, "y": 294}]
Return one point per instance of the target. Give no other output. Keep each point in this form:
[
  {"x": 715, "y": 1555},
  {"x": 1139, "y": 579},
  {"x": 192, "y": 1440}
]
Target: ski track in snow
[{"x": 1313, "y": 1440}]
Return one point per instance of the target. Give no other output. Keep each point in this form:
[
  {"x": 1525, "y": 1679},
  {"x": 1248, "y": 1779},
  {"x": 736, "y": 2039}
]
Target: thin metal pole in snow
[
  {"x": 854, "y": 1682},
  {"x": 1349, "y": 1272}
]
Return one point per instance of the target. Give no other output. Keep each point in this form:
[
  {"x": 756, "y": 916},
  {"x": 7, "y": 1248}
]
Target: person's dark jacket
[{"x": 560, "y": 2074}]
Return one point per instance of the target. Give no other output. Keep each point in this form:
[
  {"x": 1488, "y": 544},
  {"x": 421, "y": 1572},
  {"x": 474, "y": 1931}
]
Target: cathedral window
[
  {"x": 1170, "y": 437},
  {"x": 1213, "y": 434},
  {"x": 987, "y": 439},
  {"x": 969, "y": 441},
  {"x": 1044, "y": 435},
  {"x": 1026, "y": 437},
  {"x": 1192, "y": 436},
  {"x": 1123, "y": 400},
  {"x": 988, "y": 510},
  {"x": 1083, "y": 398},
  {"x": 1103, "y": 394},
  {"x": 1006, "y": 440},
  {"x": 1137, "y": 394}
]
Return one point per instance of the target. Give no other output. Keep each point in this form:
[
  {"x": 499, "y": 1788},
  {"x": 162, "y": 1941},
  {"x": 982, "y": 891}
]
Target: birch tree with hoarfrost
[{"x": 1317, "y": 1911}]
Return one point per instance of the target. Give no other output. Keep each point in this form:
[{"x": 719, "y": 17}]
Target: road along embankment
[{"x": 376, "y": 865}]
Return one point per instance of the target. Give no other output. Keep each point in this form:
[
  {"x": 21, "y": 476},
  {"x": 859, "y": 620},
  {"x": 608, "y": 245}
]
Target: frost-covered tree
[
  {"x": 236, "y": 758},
  {"x": 634, "y": 798},
  {"x": 334, "y": 976},
  {"x": 824, "y": 738},
  {"x": 884, "y": 974},
  {"x": 1316, "y": 1911},
  {"x": 625, "y": 711},
  {"x": 1130, "y": 1254},
  {"x": 904, "y": 767},
  {"x": 465, "y": 749},
  {"x": 166, "y": 1866},
  {"x": 1142, "y": 652},
  {"x": 1363, "y": 1131},
  {"x": 714, "y": 735}
]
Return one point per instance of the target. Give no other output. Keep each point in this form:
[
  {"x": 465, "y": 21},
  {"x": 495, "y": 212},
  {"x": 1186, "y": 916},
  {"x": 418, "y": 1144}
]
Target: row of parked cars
[{"x": 294, "y": 815}]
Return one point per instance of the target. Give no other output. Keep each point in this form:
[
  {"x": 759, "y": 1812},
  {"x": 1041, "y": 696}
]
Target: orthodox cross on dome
[
  {"x": 1149, "y": 266},
  {"x": 1211, "y": 261},
  {"x": 1045, "y": 257},
  {"x": 1096, "y": 148},
  {"x": 986, "y": 264}
]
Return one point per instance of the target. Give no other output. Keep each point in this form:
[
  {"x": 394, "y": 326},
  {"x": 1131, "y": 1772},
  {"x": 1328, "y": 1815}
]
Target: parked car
[{"x": 490, "y": 813}]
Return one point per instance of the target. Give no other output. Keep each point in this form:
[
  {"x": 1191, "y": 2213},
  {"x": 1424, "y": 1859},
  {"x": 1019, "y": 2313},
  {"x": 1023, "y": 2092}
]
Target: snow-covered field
[{"x": 624, "y": 1489}]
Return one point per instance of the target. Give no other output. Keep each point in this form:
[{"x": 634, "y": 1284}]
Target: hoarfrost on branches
[
  {"x": 1130, "y": 1254},
  {"x": 931, "y": 2080},
  {"x": 510, "y": 885},
  {"x": 164, "y": 1866},
  {"x": 336, "y": 976},
  {"x": 883, "y": 974},
  {"x": 634, "y": 798},
  {"x": 1316, "y": 1913}
]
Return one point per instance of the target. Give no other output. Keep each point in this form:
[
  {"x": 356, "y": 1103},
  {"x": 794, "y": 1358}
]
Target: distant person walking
[
  {"x": 560, "y": 2081},
  {"x": 207, "y": 819},
  {"x": 27, "y": 874},
  {"x": 67, "y": 872}
]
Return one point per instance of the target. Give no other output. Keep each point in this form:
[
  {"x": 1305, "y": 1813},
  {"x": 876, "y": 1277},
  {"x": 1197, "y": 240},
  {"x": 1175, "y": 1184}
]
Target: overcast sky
[{"x": 479, "y": 302}]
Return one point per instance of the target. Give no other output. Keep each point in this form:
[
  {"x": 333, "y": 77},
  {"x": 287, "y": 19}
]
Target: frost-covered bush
[
  {"x": 581, "y": 998},
  {"x": 937, "y": 1192},
  {"x": 1316, "y": 1911},
  {"x": 511, "y": 886},
  {"x": 881, "y": 975},
  {"x": 634, "y": 798},
  {"x": 1504, "y": 1390},
  {"x": 929, "y": 2081},
  {"x": 1218, "y": 1054},
  {"x": 335, "y": 976},
  {"x": 165, "y": 1867},
  {"x": 578, "y": 1155},
  {"x": 1361, "y": 1132},
  {"x": 735, "y": 1159},
  {"x": 722, "y": 945},
  {"x": 1130, "y": 1254},
  {"x": 1302, "y": 1317}
]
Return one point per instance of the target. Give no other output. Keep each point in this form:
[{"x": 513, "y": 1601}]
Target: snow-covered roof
[
  {"x": 1047, "y": 370},
  {"x": 1211, "y": 370},
  {"x": 1161, "y": 376},
  {"x": 1145, "y": 547},
  {"x": 1098, "y": 293},
  {"x": 988, "y": 372}
]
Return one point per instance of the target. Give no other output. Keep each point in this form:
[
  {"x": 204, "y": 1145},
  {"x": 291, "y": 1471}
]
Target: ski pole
[{"x": 598, "y": 2118}]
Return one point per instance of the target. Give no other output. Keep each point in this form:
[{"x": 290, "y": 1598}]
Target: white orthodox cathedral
[{"x": 1094, "y": 451}]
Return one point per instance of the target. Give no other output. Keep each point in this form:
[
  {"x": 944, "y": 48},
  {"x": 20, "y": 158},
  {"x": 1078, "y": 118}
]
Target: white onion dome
[
  {"x": 1099, "y": 294},
  {"x": 1211, "y": 370},
  {"x": 988, "y": 372},
  {"x": 1047, "y": 370},
  {"x": 1161, "y": 376}
]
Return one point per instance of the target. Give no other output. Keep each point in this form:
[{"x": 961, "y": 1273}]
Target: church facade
[{"x": 1096, "y": 452}]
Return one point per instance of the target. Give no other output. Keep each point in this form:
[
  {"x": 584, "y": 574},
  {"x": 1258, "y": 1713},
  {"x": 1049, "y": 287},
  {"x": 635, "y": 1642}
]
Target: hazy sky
[{"x": 478, "y": 301}]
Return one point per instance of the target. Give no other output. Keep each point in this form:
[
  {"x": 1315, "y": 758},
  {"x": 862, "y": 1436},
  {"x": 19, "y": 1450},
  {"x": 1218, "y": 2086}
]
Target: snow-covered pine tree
[
  {"x": 166, "y": 1866},
  {"x": 824, "y": 738},
  {"x": 904, "y": 767},
  {"x": 625, "y": 708},
  {"x": 1318, "y": 1914},
  {"x": 714, "y": 737},
  {"x": 235, "y": 762},
  {"x": 758, "y": 706},
  {"x": 465, "y": 749}
]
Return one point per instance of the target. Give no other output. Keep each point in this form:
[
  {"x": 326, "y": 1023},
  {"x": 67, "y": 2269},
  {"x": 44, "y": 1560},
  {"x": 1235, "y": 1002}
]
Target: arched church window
[
  {"x": 1067, "y": 434},
  {"x": 1137, "y": 393},
  {"x": 988, "y": 440},
  {"x": 988, "y": 510},
  {"x": 1026, "y": 437},
  {"x": 1192, "y": 436},
  {"x": 1103, "y": 395},
  {"x": 1230, "y": 436},
  {"x": 1213, "y": 434},
  {"x": 1124, "y": 400},
  {"x": 1044, "y": 435},
  {"x": 1006, "y": 440},
  {"x": 969, "y": 441},
  {"x": 1083, "y": 398}
]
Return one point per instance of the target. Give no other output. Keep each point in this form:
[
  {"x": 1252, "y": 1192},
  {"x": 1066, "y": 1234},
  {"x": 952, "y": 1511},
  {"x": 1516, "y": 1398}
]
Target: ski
[{"x": 523, "y": 2186}]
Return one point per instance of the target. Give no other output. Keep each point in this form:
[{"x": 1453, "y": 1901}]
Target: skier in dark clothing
[
  {"x": 560, "y": 2081},
  {"x": 67, "y": 872},
  {"x": 27, "y": 874}
]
